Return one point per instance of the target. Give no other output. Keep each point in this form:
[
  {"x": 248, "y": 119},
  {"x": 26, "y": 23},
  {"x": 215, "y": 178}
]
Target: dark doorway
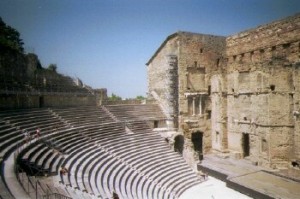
[
  {"x": 179, "y": 143},
  {"x": 246, "y": 144},
  {"x": 155, "y": 124},
  {"x": 41, "y": 101},
  {"x": 197, "y": 140}
]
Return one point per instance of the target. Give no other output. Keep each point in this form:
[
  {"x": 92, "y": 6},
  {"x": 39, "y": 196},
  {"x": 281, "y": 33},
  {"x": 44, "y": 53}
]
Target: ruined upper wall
[
  {"x": 194, "y": 42},
  {"x": 200, "y": 50},
  {"x": 281, "y": 32}
]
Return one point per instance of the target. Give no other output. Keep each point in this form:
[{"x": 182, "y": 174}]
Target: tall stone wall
[
  {"x": 281, "y": 34},
  {"x": 296, "y": 110},
  {"x": 199, "y": 58},
  {"x": 241, "y": 93},
  {"x": 262, "y": 92},
  {"x": 162, "y": 77}
]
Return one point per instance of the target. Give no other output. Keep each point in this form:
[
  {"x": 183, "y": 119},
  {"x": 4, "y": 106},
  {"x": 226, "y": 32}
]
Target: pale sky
[{"x": 106, "y": 43}]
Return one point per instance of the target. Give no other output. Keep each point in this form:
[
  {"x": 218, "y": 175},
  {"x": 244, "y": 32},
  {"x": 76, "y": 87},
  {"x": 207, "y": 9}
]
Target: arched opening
[
  {"x": 197, "y": 140},
  {"x": 179, "y": 143}
]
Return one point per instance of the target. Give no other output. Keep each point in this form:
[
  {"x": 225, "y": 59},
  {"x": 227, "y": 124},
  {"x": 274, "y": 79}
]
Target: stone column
[
  {"x": 200, "y": 105},
  {"x": 194, "y": 106}
]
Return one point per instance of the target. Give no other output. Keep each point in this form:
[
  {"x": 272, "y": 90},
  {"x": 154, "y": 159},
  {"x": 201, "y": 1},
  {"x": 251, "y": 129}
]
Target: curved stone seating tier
[
  {"x": 114, "y": 154},
  {"x": 128, "y": 175},
  {"x": 136, "y": 112},
  {"x": 86, "y": 115},
  {"x": 72, "y": 162},
  {"x": 152, "y": 163},
  {"x": 4, "y": 193},
  {"x": 138, "y": 126},
  {"x": 28, "y": 152},
  {"x": 85, "y": 167},
  {"x": 6, "y": 129},
  {"x": 60, "y": 138},
  {"x": 29, "y": 119},
  {"x": 150, "y": 185},
  {"x": 100, "y": 154},
  {"x": 97, "y": 186}
]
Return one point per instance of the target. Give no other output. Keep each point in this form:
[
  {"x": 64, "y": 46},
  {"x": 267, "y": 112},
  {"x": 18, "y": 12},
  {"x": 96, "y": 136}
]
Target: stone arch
[{"x": 179, "y": 144}]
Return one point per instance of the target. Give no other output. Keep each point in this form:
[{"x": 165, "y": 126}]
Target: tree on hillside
[
  {"x": 114, "y": 97},
  {"x": 52, "y": 67},
  {"x": 10, "y": 38}
]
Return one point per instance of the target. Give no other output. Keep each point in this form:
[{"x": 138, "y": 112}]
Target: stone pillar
[
  {"x": 200, "y": 105},
  {"x": 194, "y": 106}
]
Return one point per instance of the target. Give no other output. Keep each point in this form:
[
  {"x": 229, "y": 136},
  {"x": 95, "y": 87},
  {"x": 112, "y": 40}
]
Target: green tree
[
  {"x": 10, "y": 38},
  {"x": 140, "y": 97},
  {"x": 114, "y": 97},
  {"x": 52, "y": 67}
]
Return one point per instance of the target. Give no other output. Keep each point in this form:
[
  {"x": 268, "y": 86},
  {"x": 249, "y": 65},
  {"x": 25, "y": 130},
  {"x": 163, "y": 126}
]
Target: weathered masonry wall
[
  {"x": 162, "y": 77},
  {"x": 179, "y": 79},
  {"x": 278, "y": 35},
  {"x": 296, "y": 110},
  {"x": 199, "y": 58},
  {"x": 263, "y": 93},
  {"x": 8, "y": 101},
  {"x": 219, "y": 113},
  {"x": 238, "y": 95}
]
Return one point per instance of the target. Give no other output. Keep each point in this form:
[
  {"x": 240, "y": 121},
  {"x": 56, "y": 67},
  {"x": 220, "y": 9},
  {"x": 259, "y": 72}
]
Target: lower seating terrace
[{"x": 100, "y": 155}]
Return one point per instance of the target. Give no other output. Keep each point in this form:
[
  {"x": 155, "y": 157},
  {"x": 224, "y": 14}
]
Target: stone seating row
[
  {"x": 41, "y": 187},
  {"x": 47, "y": 156},
  {"x": 121, "y": 162},
  {"x": 12, "y": 121},
  {"x": 147, "y": 165},
  {"x": 83, "y": 115},
  {"x": 136, "y": 112},
  {"x": 23, "y": 119},
  {"x": 140, "y": 126},
  {"x": 11, "y": 136},
  {"x": 115, "y": 151},
  {"x": 4, "y": 193},
  {"x": 111, "y": 135}
]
